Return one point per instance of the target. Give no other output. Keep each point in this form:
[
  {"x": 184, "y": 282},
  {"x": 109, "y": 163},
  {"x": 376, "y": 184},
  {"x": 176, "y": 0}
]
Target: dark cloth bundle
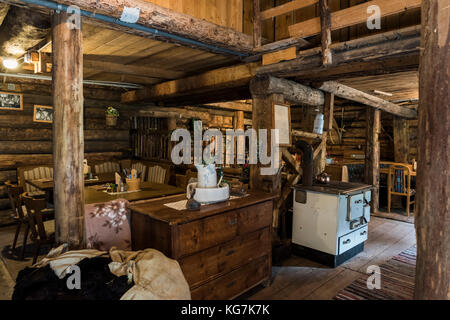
[{"x": 97, "y": 283}]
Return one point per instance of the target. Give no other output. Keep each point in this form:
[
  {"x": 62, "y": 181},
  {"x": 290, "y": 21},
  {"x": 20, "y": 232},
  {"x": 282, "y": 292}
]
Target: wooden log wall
[
  {"x": 150, "y": 138},
  {"x": 277, "y": 28},
  {"x": 348, "y": 145},
  {"x": 24, "y": 142},
  {"x": 151, "y": 128}
]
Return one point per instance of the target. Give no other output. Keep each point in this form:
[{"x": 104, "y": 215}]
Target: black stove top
[{"x": 335, "y": 187}]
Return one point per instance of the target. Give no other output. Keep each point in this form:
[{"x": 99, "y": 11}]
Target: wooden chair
[
  {"x": 14, "y": 194},
  {"x": 158, "y": 174},
  {"x": 140, "y": 167},
  {"x": 107, "y": 167},
  {"x": 183, "y": 179},
  {"x": 34, "y": 173},
  {"x": 37, "y": 215},
  {"x": 399, "y": 184},
  {"x": 191, "y": 174}
]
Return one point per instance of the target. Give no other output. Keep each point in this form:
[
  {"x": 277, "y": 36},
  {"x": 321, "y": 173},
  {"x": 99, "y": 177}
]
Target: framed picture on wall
[
  {"x": 282, "y": 121},
  {"x": 11, "y": 101},
  {"x": 43, "y": 114}
]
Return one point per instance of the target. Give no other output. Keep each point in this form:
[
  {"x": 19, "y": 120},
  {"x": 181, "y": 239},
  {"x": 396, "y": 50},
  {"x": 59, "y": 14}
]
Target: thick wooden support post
[
  {"x": 171, "y": 126},
  {"x": 325, "y": 22},
  {"x": 262, "y": 119},
  {"x": 257, "y": 25},
  {"x": 401, "y": 140},
  {"x": 68, "y": 139},
  {"x": 238, "y": 124},
  {"x": 327, "y": 127},
  {"x": 238, "y": 120},
  {"x": 372, "y": 166},
  {"x": 433, "y": 173}
]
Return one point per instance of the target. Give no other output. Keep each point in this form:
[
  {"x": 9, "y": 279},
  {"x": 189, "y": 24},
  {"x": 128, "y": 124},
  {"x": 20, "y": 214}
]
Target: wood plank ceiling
[
  {"x": 104, "y": 48},
  {"x": 403, "y": 86},
  {"x": 105, "y": 45}
]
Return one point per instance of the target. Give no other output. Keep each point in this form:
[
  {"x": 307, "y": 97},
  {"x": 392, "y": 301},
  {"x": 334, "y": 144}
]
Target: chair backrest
[
  {"x": 34, "y": 208},
  {"x": 190, "y": 174},
  {"x": 157, "y": 174},
  {"x": 107, "y": 167},
  {"x": 34, "y": 173},
  {"x": 399, "y": 178},
  {"x": 140, "y": 167},
  {"x": 184, "y": 179},
  {"x": 14, "y": 194}
]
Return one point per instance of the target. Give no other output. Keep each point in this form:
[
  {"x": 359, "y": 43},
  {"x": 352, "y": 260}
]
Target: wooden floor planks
[
  {"x": 6, "y": 282},
  {"x": 296, "y": 278},
  {"x": 299, "y": 278},
  {"x": 329, "y": 289}
]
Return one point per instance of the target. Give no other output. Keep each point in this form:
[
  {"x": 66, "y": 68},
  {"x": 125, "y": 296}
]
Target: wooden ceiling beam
[
  {"x": 292, "y": 91},
  {"x": 21, "y": 30},
  {"x": 361, "y": 69},
  {"x": 352, "y": 94},
  {"x": 4, "y": 8},
  {"x": 95, "y": 66},
  {"x": 281, "y": 45},
  {"x": 364, "y": 51},
  {"x": 115, "y": 77},
  {"x": 286, "y": 8},
  {"x": 214, "y": 96},
  {"x": 233, "y": 105},
  {"x": 215, "y": 80},
  {"x": 165, "y": 20},
  {"x": 144, "y": 71},
  {"x": 352, "y": 16}
]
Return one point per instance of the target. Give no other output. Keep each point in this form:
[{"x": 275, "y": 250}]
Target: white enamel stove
[{"x": 330, "y": 222}]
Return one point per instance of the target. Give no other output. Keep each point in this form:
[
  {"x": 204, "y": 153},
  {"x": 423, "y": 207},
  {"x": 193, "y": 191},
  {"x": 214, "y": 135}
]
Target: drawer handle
[
  {"x": 358, "y": 202},
  {"x": 232, "y": 283},
  {"x": 363, "y": 233},
  {"x": 233, "y": 222},
  {"x": 347, "y": 241}
]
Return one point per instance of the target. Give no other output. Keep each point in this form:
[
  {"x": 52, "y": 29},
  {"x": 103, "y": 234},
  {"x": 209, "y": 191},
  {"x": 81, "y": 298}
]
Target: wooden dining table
[
  {"x": 148, "y": 191},
  {"x": 47, "y": 184},
  {"x": 95, "y": 190}
]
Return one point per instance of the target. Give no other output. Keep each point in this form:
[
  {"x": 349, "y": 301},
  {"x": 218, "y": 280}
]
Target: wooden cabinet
[{"x": 223, "y": 249}]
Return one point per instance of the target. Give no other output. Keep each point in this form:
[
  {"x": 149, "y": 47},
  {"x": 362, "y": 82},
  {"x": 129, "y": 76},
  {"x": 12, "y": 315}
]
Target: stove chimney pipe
[{"x": 307, "y": 162}]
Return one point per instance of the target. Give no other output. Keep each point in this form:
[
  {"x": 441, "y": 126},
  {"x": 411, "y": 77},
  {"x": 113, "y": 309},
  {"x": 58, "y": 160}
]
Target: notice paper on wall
[{"x": 130, "y": 15}]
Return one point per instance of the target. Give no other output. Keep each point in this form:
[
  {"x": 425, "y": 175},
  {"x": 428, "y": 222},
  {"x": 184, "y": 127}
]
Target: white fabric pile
[{"x": 155, "y": 276}]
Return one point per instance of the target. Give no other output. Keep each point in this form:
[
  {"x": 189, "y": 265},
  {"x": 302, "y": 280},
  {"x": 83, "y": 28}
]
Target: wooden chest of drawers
[{"x": 223, "y": 249}]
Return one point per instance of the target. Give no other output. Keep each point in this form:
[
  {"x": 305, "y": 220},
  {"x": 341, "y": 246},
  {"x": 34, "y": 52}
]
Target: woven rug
[{"x": 397, "y": 281}]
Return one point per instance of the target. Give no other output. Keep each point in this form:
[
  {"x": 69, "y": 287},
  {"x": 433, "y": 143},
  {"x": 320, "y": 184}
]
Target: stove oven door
[{"x": 355, "y": 207}]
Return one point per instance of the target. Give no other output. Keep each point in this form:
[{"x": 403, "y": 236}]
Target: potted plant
[{"x": 111, "y": 116}]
